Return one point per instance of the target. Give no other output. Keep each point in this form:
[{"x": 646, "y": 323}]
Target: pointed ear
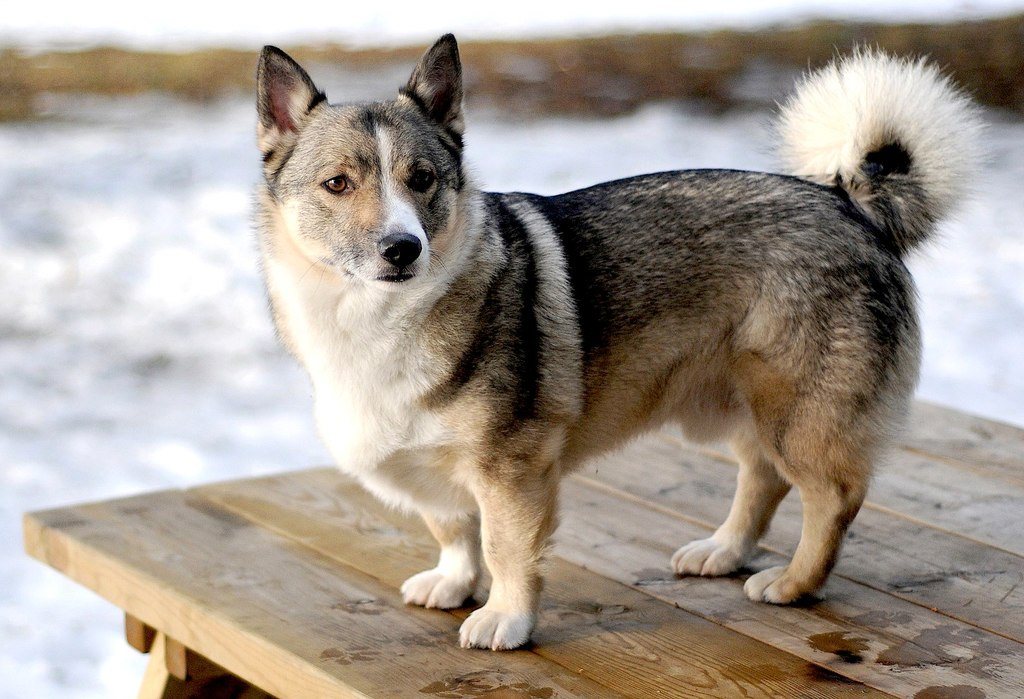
[
  {"x": 284, "y": 96},
  {"x": 436, "y": 84}
]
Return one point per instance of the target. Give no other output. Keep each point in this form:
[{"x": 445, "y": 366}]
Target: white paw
[
  {"x": 773, "y": 586},
  {"x": 435, "y": 590},
  {"x": 487, "y": 628},
  {"x": 707, "y": 557}
]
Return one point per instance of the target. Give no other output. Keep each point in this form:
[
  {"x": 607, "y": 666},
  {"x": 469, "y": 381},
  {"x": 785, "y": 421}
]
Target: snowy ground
[{"x": 136, "y": 353}]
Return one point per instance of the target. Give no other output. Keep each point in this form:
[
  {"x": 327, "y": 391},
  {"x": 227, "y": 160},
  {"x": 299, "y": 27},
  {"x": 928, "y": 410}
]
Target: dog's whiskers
[
  {"x": 311, "y": 265},
  {"x": 323, "y": 270}
]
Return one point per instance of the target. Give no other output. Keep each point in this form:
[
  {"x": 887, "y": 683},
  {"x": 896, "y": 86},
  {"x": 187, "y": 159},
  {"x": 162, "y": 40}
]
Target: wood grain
[
  {"x": 290, "y": 583},
  {"x": 277, "y": 614},
  {"x": 958, "y": 576},
  {"x": 927, "y": 490},
  {"x": 616, "y": 636},
  {"x": 984, "y": 447},
  {"x": 858, "y": 632}
]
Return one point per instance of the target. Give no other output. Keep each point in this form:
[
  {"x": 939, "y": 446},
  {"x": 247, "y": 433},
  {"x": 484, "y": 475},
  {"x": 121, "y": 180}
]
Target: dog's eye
[
  {"x": 337, "y": 185},
  {"x": 421, "y": 180}
]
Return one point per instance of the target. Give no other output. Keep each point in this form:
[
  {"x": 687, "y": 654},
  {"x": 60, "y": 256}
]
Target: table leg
[{"x": 175, "y": 672}]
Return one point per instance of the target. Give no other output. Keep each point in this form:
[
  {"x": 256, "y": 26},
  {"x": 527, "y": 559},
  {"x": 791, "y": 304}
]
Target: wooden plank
[
  {"x": 985, "y": 447},
  {"x": 858, "y": 632},
  {"x": 276, "y": 614},
  {"x": 957, "y": 576},
  {"x": 938, "y": 494},
  {"x": 616, "y": 636},
  {"x": 931, "y": 491}
]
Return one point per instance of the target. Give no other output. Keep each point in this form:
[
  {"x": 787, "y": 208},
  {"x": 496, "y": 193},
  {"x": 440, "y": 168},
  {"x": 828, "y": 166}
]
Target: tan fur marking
[{"x": 770, "y": 395}]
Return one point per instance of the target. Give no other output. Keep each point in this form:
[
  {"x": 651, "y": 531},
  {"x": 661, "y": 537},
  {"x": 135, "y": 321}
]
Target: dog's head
[{"x": 371, "y": 191}]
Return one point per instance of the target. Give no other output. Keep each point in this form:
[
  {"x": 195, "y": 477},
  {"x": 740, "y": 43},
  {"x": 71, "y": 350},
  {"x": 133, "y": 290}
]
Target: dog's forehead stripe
[{"x": 400, "y": 211}]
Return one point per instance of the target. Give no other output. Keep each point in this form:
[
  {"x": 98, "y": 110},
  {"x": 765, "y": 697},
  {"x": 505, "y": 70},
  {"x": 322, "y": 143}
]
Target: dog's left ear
[
  {"x": 436, "y": 84},
  {"x": 285, "y": 95}
]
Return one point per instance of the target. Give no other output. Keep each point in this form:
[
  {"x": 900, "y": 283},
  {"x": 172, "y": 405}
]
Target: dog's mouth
[{"x": 396, "y": 278}]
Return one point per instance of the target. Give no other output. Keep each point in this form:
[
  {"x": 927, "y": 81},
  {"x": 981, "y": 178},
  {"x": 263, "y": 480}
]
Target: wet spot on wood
[
  {"x": 913, "y": 584},
  {"x": 654, "y": 576},
  {"x": 341, "y": 656},
  {"x": 882, "y": 620},
  {"x": 956, "y": 691},
  {"x": 584, "y": 616},
  {"x": 965, "y": 648},
  {"x": 494, "y": 684},
  {"x": 360, "y": 606},
  {"x": 598, "y": 608},
  {"x": 837, "y": 643},
  {"x": 908, "y": 654},
  {"x": 818, "y": 673}
]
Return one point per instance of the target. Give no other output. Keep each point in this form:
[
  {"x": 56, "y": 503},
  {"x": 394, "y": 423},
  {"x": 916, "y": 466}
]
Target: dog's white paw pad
[
  {"x": 435, "y": 590},
  {"x": 486, "y": 628},
  {"x": 773, "y": 586},
  {"x": 707, "y": 557}
]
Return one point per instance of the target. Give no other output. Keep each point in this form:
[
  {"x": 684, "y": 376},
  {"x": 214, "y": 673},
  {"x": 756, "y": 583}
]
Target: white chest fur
[{"x": 368, "y": 373}]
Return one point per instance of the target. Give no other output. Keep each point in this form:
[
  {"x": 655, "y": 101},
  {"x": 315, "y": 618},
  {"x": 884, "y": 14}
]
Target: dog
[{"x": 468, "y": 349}]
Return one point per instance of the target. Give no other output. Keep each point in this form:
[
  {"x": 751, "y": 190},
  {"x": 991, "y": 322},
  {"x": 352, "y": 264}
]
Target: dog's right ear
[{"x": 284, "y": 97}]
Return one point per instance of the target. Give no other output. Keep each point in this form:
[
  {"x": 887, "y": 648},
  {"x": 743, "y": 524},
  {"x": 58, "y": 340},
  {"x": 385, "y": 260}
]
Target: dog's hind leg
[
  {"x": 455, "y": 577},
  {"x": 822, "y": 439},
  {"x": 831, "y": 471},
  {"x": 828, "y": 510},
  {"x": 759, "y": 489}
]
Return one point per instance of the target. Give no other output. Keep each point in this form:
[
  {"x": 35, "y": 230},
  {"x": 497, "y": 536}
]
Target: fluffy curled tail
[{"x": 894, "y": 133}]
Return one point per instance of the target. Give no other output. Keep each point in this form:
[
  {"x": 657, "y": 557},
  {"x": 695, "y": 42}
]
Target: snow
[
  {"x": 188, "y": 23},
  {"x": 137, "y": 353}
]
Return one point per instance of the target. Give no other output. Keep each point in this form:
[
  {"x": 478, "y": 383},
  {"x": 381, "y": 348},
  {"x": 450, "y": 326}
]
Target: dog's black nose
[{"x": 400, "y": 249}]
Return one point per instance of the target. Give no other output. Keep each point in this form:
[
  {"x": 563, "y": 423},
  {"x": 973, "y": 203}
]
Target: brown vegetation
[{"x": 600, "y": 75}]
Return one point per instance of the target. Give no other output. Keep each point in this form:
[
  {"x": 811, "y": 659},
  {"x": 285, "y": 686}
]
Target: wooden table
[{"x": 288, "y": 585}]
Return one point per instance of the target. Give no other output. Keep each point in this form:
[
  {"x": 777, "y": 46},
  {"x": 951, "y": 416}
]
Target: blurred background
[{"x": 135, "y": 347}]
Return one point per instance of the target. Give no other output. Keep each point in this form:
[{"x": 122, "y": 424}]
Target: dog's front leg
[
  {"x": 455, "y": 577},
  {"x": 517, "y": 512}
]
